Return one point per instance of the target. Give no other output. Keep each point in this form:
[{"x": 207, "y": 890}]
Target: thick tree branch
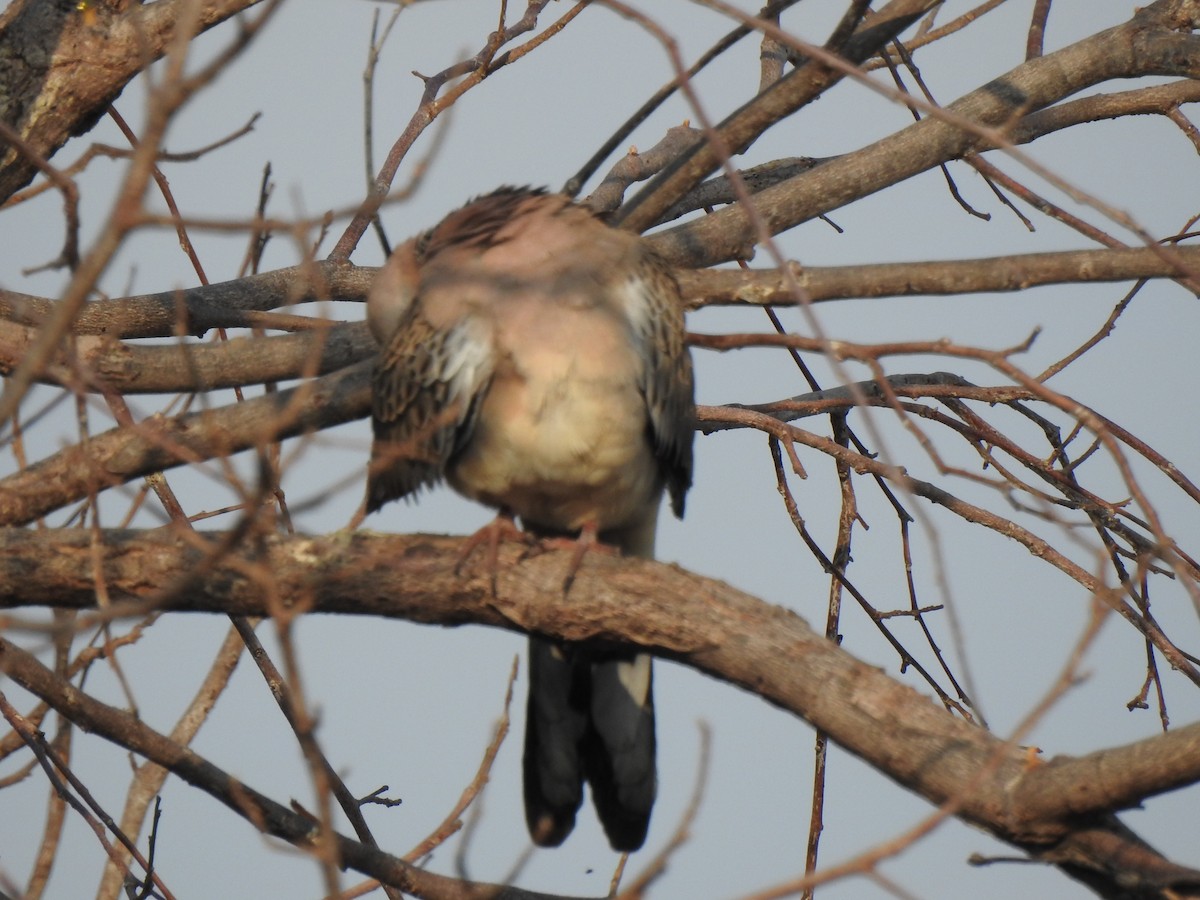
[
  {"x": 1142, "y": 46},
  {"x": 243, "y": 303},
  {"x": 62, "y": 64},
  {"x": 127, "y": 452},
  {"x": 761, "y": 287},
  {"x": 747, "y": 124},
  {"x": 1158, "y": 100},
  {"x": 188, "y": 367},
  {"x": 1115, "y": 778},
  {"x": 700, "y": 622},
  {"x": 196, "y": 310}
]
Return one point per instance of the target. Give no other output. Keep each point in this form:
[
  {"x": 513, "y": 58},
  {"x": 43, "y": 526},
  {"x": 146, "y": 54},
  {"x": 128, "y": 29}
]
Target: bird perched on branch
[{"x": 534, "y": 358}]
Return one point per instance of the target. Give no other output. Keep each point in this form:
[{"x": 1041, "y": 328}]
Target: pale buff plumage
[{"x": 534, "y": 358}]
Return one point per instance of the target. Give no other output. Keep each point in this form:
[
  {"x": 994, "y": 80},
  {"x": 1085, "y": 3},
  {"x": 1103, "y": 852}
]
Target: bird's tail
[
  {"x": 556, "y": 722},
  {"x": 619, "y": 756},
  {"x": 591, "y": 717}
]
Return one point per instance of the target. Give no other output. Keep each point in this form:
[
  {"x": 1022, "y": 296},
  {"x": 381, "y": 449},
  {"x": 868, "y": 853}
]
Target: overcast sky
[{"x": 413, "y": 707}]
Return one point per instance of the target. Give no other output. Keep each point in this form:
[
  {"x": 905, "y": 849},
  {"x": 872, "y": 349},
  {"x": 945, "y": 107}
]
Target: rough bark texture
[
  {"x": 63, "y": 62},
  {"x": 1056, "y": 811}
]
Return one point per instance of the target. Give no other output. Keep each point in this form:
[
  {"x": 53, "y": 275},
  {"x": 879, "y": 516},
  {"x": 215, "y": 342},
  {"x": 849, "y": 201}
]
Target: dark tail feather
[
  {"x": 619, "y": 750},
  {"x": 556, "y": 722},
  {"x": 590, "y": 718}
]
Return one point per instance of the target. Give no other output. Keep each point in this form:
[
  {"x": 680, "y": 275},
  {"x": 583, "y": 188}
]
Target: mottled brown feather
[
  {"x": 411, "y": 389},
  {"x": 538, "y": 362}
]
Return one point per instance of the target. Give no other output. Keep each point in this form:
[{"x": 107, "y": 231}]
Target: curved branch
[
  {"x": 1114, "y": 778},
  {"x": 129, "y": 451},
  {"x": 716, "y": 418},
  {"x": 262, "y": 812},
  {"x": 1142, "y": 46},
  {"x": 1161, "y": 100},
  {"x": 1156, "y": 100},
  {"x": 780, "y": 100},
  {"x": 60, "y": 77},
  {"x": 700, "y": 622}
]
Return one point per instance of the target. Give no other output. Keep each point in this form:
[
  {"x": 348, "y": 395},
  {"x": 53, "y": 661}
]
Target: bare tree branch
[
  {"x": 1146, "y": 45},
  {"x": 268, "y": 816},
  {"x": 699, "y": 622},
  {"x": 784, "y": 97},
  {"x": 942, "y": 277},
  {"x": 60, "y": 78}
]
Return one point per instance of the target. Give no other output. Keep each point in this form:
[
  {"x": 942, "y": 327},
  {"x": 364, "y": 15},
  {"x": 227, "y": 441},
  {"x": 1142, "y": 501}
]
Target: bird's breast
[{"x": 561, "y": 436}]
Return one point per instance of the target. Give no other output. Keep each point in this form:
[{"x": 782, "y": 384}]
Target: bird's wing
[
  {"x": 427, "y": 390},
  {"x": 655, "y": 311}
]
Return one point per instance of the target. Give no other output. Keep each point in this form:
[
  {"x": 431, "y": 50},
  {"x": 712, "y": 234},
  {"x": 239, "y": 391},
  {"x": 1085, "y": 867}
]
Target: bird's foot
[
  {"x": 587, "y": 542},
  {"x": 501, "y": 528}
]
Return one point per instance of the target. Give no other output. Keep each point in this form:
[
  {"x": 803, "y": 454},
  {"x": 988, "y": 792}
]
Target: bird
[{"x": 534, "y": 358}]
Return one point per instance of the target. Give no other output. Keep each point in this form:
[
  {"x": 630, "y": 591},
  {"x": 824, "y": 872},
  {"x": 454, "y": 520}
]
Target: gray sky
[{"x": 413, "y": 707}]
